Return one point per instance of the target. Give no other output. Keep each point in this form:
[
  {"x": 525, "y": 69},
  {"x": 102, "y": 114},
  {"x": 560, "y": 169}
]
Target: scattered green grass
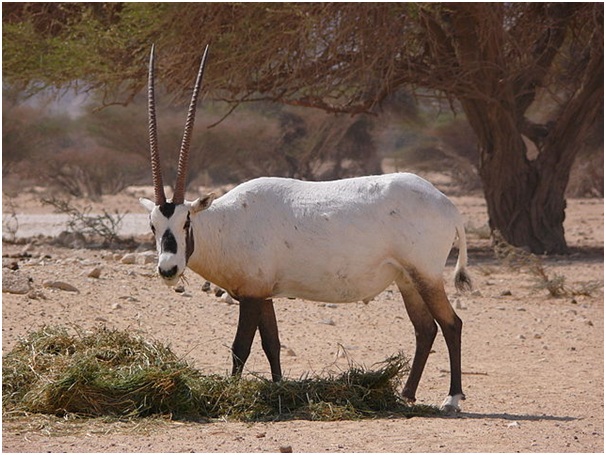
[{"x": 103, "y": 372}]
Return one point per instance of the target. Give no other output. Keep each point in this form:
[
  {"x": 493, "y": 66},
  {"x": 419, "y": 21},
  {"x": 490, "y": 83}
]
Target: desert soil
[{"x": 533, "y": 365}]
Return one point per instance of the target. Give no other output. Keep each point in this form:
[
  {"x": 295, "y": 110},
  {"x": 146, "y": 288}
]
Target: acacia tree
[{"x": 496, "y": 60}]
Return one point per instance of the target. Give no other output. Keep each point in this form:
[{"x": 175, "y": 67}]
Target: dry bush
[
  {"x": 555, "y": 284},
  {"x": 10, "y": 222},
  {"x": 283, "y": 141},
  {"x": 91, "y": 171},
  {"x": 87, "y": 225},
  {"x": 446, "y": 146}
]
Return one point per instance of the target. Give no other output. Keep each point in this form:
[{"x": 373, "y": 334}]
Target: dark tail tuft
[{"x": 463, "y": 281}]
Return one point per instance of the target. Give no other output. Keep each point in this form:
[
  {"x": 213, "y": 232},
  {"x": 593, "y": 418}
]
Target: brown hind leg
[
  {"x": 435, "y": 298},
  {"x": 268, "y": 327},
  {"x": 425, "y": 333}
]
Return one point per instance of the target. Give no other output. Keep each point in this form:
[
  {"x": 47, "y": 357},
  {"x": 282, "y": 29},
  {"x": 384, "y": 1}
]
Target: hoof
[
  {"x": 408, "y": 400},
  {"x": 450, "y": 410},
  {"x": 450, "y": 406}
]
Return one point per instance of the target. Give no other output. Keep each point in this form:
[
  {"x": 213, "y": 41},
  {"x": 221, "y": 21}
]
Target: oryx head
[{"x": 171, "y": 219}]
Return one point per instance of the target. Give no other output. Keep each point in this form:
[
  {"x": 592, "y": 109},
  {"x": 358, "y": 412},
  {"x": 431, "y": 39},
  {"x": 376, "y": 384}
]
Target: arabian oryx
[{"x": 337, "y": 241}]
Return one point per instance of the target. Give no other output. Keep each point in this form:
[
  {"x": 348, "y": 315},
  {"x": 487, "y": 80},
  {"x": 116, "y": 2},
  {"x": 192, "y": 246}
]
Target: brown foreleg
[
  {"x": 268, "y": 327},
  {"x": 248, "y": 321}
]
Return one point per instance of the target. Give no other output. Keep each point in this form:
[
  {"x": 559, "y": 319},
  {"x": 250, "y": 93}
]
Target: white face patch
[{"x": 171, "y": 226}]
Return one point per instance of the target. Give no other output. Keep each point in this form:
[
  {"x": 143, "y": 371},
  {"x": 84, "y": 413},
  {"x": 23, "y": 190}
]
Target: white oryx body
[{"x": 337, "y": 241}]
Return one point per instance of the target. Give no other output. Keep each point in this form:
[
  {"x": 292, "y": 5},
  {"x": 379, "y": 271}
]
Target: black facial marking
[
  {"x": 169, "y": 243},
  {"x": 168, "y": 273},
  {"x": 167, "y": 209},
  {"x": 189, "y": 243}
]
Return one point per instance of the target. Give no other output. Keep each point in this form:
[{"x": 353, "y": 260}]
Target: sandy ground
[{"x": 533, "y": 365}]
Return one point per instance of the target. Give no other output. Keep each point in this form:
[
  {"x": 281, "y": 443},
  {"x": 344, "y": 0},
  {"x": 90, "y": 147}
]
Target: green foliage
[
  {"x": 104, "y": 372},
  {"x": 62, "y": 44}
]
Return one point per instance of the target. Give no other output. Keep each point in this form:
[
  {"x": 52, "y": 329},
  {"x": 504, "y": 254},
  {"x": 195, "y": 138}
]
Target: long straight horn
[
  {"x": 179, "y": 195},
  {"x": 153, "y": 134}
]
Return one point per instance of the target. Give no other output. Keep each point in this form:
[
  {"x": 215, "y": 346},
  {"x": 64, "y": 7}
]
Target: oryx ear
[
  {"x": 149, "y": 205},
  {"x": 202, "y": 203}
]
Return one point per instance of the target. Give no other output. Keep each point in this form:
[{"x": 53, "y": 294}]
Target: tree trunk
[
  {"x": 524, "y": 194},
  {"x": 524, "y": 191},
  {"x": 526, "y": 206}
]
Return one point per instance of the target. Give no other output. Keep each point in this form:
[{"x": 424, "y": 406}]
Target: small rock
[
  {"x": 513, "y": 425},
  {"x": 506, "y": 292},
  {"x": 459, "y": 305},
  {"x": 14, "y": 282},
  {"x": 180, "y": 288},
  {"x": 289, "y": 352},
  {"x": 116, "y": 306},
  {"x": 327, "y": 321},
  {"x": 285, "y": 449},
  {"x": 61, "y": 285},
  {"x": 476, "y": 293},
  {"x": 332, "y": 305},
  {"x": 74, "y": 240},
  {"x": 260, "y": 435},
  {"x": 147, "y": 257},
  {"x": 26, "y": 250},
  {"x": 36, "y": 294},
  {"x": 11, "y": 264},
  {"x": 218, "y": 291},
  {"x": 95, "y": 272},
  {"x": 129, "y": 258},
  {"x": 206, "y": 286}
]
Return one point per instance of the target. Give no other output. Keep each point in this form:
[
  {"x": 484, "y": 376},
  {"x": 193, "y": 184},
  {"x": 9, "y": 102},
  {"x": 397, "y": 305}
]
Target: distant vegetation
[
  {"x": 104, "y": 151},
  {"x": 528, "y": 76}
]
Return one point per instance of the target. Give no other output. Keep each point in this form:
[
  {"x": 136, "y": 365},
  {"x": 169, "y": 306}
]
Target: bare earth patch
[{"x": 533, "y": 365}]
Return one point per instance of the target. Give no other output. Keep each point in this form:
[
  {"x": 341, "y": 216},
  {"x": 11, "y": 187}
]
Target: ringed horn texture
[{"x": 179, "y": 195}]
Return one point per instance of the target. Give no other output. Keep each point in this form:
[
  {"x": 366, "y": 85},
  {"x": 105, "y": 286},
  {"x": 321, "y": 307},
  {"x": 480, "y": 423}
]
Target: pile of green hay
[{"x": 103, "y": 372}]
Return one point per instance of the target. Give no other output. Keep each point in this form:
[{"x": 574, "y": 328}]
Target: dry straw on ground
[{"x": 103, "y": 372}]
